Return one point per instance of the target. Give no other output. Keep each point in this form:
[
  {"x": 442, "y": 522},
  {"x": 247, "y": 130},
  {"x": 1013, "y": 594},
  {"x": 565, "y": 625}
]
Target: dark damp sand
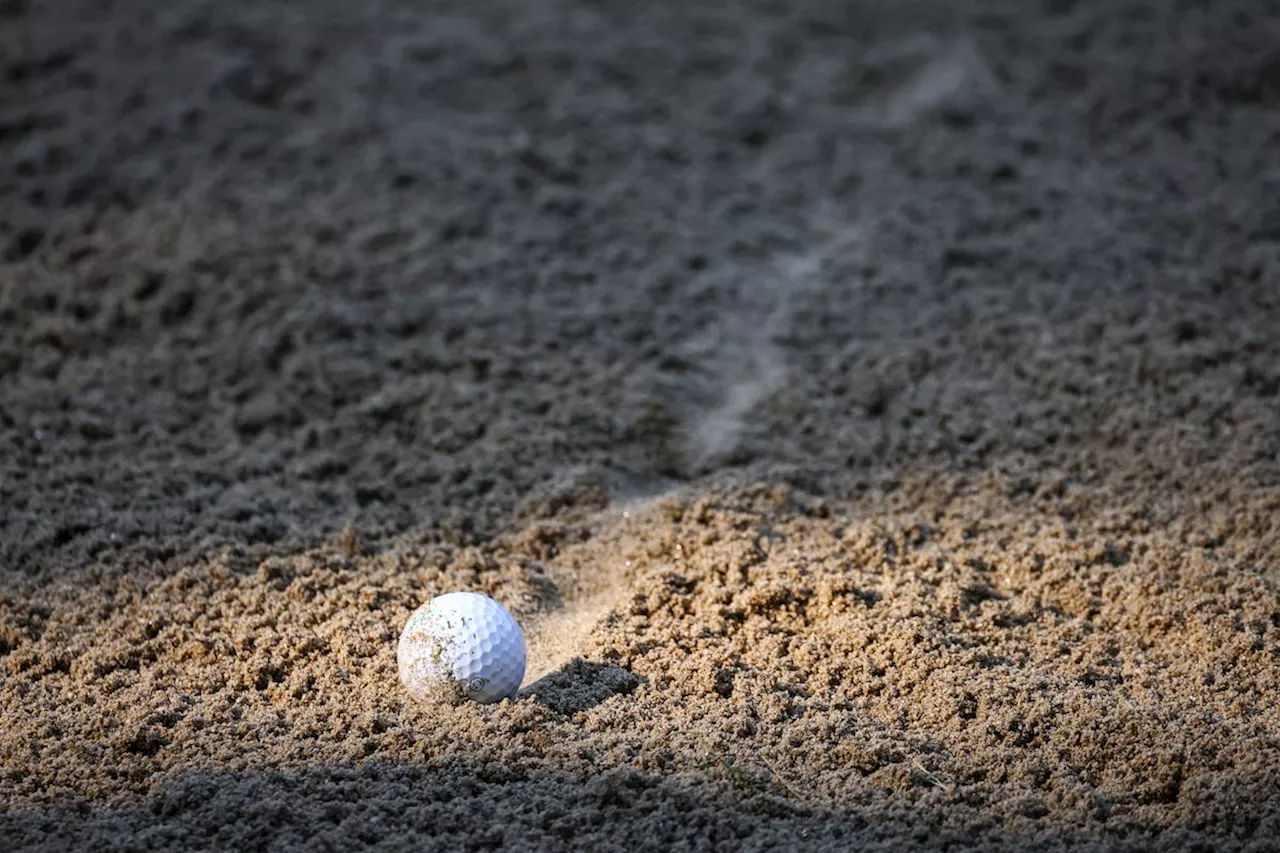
[{"x": 872, "y": 417}]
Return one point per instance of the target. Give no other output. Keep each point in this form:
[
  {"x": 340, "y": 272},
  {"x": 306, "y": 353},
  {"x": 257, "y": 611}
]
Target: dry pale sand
[{"x": 870, "y": 410}]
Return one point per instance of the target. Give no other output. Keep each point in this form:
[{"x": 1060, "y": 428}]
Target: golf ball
[{"x": 461, "y": 644}]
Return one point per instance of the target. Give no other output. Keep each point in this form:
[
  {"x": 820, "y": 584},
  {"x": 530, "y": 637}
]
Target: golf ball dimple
[{"x": 462, "y": 642}]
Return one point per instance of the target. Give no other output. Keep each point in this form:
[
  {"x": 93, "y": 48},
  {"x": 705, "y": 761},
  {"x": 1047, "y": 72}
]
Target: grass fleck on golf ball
[{"x": 461, "y": 644}]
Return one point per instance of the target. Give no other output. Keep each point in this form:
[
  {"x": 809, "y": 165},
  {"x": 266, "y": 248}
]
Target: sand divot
[
  {"x": 741, "y": 359},
  {"x": 739, "y": 362},
  {"x": 922, "y": 74},
  {"x": 556, "y": 638},
  {"x": 588, "y": 587}
]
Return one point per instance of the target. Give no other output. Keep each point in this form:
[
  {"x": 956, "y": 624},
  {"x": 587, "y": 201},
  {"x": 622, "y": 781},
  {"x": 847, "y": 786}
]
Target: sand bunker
[{"x": 871, "y": 415}]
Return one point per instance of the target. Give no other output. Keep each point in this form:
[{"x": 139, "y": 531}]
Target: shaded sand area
[{"x": 872, "y": 415}]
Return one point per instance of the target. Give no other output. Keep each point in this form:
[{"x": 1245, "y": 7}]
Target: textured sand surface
[{"x": 871, "y": 411}]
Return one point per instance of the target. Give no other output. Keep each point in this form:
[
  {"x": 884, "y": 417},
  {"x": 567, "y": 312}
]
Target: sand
[{"x": 871, "y": 413}]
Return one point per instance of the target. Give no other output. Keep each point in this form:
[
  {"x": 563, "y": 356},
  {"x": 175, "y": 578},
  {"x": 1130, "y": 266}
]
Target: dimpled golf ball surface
[{"x": 462, "y": 640}]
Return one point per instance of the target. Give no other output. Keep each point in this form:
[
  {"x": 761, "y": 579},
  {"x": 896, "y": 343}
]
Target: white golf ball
[{"x": 461, "y": 643}]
